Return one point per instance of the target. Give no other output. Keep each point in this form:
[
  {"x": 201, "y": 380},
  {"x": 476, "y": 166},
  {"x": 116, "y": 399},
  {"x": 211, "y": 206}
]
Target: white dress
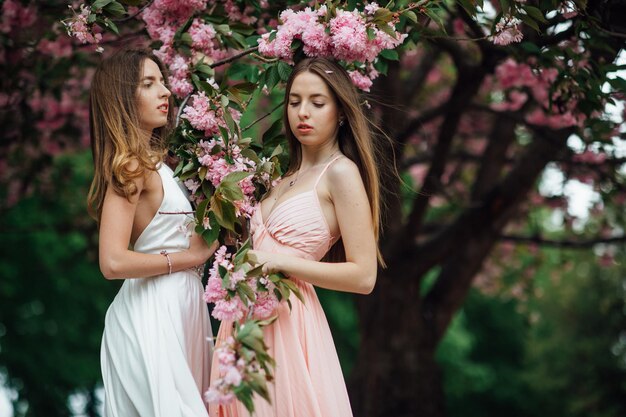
[{"x": 155, "y": 356}]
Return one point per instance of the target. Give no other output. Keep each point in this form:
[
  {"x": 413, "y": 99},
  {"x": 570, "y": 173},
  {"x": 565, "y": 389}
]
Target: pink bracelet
[{"x": 169, "y": 261}]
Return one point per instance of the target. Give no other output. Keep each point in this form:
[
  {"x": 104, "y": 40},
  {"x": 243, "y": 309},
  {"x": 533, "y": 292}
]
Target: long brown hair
[
  {"x": 354, "y": 137},
  {"x": 116, "y": 137}
]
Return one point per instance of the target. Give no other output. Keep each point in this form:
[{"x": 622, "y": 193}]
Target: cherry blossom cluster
[
  {"x": 218, "y": 160},
  {"x": 237, "y": 365},
  {"x": 237, "y": 294},
  {"x": 16, "y": 16},
  {"x": 349, "y": 36},
  {"x": 507, "y": 31},
  {"x": 163, "y": 18},
  {"x": 519, "y": 80},
  {"x": 206, "y": 114},
  {"x": 82, "y": 28},
  {"x": 230, "y": 369}
]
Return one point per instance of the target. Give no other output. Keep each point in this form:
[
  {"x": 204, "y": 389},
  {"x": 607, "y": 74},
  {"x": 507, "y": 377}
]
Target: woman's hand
[
  {"x": 270, "y": 261},
  {"x": 199, "y": 249}
]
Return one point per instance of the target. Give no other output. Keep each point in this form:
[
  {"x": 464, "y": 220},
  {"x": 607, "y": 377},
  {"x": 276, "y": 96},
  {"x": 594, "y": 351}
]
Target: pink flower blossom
[
  {"x": 214, "y": 291},
  {"x": 265, "y": 305},
  {"x": 202, "y": 36},
  {"x": 232, "y": 376},
  {"x": 371, "y": 8},
  {"x": 507, "y": 32},
  {"x": 16, "y": 16},
  {"x": 590, "y": 157},
  {"x": 81, "y": 29},
  {"x": 360, "y": 81},
  {"x": 215, "y": 396},
  {"x": 229, "y": 310},
  {"x": 192, "y": 185},
  {"x": 59, "y": 48}
]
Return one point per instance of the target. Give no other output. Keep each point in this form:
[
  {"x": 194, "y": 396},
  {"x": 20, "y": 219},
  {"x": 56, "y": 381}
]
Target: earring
[{"x": 341, "y": 122}]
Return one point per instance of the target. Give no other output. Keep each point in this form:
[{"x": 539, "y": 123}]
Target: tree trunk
[{"x": 396, "y": 354}]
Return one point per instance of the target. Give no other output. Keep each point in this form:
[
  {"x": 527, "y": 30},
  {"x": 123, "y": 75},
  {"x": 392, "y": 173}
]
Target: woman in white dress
[{"x": 156, "y": 346}]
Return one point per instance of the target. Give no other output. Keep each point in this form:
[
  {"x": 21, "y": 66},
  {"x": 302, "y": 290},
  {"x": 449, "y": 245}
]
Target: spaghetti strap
[{"x": 324, "y": 170}]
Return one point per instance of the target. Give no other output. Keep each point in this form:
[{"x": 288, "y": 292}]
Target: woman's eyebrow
[
  {"x": 312, "y": 95},
  {"x": 151, "y": 78}
]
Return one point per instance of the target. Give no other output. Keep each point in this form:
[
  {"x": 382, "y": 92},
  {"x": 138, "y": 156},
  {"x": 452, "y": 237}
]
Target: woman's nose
[
  {"x": 303, "y": 113},
  {"x": 165, "y": 91}
]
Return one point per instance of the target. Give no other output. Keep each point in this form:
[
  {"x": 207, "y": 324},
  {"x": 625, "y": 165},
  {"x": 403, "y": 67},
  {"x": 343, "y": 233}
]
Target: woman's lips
[
  {"x": 163, "y": 108},
  {"x": 304, "y": 128}
]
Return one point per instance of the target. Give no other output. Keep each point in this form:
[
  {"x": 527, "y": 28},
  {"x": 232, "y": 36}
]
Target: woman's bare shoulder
[{"x": 343, "y": 180}]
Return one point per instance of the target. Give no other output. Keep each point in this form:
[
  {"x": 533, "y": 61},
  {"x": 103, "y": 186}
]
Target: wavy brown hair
[
  {"x": 117, "y": 140},
  {"x": 355, "y": 137}
]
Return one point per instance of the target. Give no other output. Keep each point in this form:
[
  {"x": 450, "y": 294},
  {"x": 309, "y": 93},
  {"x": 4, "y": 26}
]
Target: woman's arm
[
  {"x": 118, "y": 262},
  {"x": 358, "y": 273}
]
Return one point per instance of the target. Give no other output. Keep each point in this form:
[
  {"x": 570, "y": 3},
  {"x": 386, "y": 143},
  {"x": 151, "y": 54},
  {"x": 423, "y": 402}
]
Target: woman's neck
[{"x": 319, "y": 154}]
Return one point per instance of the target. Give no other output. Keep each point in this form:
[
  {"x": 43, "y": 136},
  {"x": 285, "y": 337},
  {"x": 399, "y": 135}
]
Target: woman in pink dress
[
  {"x": 155, "y": 354},
  {"x": 327, "y": 204}
]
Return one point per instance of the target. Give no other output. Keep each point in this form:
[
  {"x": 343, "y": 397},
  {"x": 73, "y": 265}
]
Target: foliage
[
  {"x": 53, "y": 295},
  {"x": 560, "y": 352}
]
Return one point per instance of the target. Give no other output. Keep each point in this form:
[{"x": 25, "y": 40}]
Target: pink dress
[{"x": 308, "y": 378}]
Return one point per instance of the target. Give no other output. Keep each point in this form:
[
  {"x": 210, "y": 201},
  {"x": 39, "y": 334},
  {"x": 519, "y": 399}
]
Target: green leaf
[
  {"x": 272, "y": 77},
  {"x": 222, "y": 271},
  {"x": 115, "y": 8},
  {"x": 390, "y": 54},
  {"x": 235, "y": 177},
  {"x": 468, "y": 6},
  {"x": 277, "y": 151},
  {"x": 436, "y": 18},
  {"x": 205, "y": 69},
  {"x": 535, "y": 13},
  {"x": 239, "y": 71},
  {"x": 200, "y": 210},
  {"x": 274, "y": 130},
  {"x": 410, "y": 14},
  {"x": 246, "y": 88},
  {"x": 382, "y": 15},
  {"x": 111, "y": 26},
  {"x": 241, "y": 252},
  {"x": 384, "y": 27},
  {"x": 230, "y": 191},
  {"x": 211, "y": 234},
  {"x": 225, "y": 134},
  {"x": 186, "y": 38},
  {"x": 224, "y": 213},
  {"x": 246, "y": 291},
  {"x": 505, "y": 6},
  {"x": 529, "y": 21},
  {"x": 228, "y": 118},
  {"x": 284, "y": 70},
  {"x": 530, "y": 47},
  {"x": 99, "y": 4}
]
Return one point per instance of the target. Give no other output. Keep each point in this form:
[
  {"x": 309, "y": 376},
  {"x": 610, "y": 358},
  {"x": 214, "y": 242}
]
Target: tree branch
[
  {"x": 481, "y": 223},
  {"x": 234, "y": 57}
]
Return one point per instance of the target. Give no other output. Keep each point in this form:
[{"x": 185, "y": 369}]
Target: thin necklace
[{"x": 293, "y": 181}]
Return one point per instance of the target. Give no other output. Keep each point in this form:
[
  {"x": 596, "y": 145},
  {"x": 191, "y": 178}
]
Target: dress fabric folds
[
  {"x": 156, "y": 347},
  {"x": 308, "y": 378}
]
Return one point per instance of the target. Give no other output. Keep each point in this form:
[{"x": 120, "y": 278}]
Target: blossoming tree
[{"x": 480, "y": 99}]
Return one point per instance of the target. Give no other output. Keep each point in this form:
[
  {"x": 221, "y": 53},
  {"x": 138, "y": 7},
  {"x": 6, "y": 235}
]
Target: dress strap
[{"x": 324, "y": 170}]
